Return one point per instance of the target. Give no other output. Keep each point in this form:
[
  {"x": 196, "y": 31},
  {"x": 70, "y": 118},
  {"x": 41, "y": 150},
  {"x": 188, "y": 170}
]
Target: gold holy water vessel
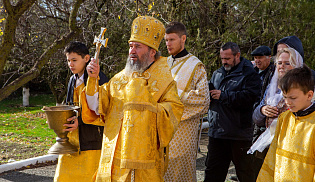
[{"x": 57, "y": 116}]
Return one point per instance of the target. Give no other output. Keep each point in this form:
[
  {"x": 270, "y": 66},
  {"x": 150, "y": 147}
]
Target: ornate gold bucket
[{"x": 57, "y": 116}]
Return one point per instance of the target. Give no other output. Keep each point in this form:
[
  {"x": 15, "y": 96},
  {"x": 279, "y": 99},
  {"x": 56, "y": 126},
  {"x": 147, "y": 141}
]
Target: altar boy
[{"x": 291, "y": 155}]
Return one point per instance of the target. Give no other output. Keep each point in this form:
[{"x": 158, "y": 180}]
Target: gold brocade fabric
[
  {"x": 140, "y": 118},
  {"x": 291, "y": 156},
  {"x": 77, "y": 167},
  {"x": 183, "y": 147},
  {"x": 81, "y": 166},
  {"x": 74, "y": 135}
]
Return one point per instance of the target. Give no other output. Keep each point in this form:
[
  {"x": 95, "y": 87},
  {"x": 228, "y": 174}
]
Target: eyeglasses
[{"x": 286, "y": 63}]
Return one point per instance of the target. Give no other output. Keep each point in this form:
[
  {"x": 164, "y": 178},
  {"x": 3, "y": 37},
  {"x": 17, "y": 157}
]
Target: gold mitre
[{"x": 147, "y": 30}]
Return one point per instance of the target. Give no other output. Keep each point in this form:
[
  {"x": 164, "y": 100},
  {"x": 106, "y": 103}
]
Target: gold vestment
[
  {"x": 79, "y": 166},
  {"x": 140, "y": 117},
  {"x": 191, "y": 78},
  {"x": 291, "y": 156}
]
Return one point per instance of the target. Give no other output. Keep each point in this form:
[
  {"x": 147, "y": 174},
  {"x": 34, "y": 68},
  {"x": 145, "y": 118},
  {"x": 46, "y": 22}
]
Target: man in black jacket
[
  {"x": 237, "y": 87},
  {"x": 263, "y": 67},
  {"x": 262, "y": 56}
]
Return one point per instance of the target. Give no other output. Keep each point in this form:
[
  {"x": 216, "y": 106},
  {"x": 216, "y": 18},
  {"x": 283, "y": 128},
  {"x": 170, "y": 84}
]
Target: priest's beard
[{"x": 139, "y": 65}]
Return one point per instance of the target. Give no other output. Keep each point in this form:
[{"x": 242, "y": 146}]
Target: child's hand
[
  {"x": 269, "y": 111},
  {"x": 93, "y": 68},
  {"x": 73, "y": 125}
]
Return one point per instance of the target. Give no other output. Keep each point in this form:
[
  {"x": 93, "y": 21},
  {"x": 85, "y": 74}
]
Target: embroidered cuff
[{"x": 92, "y": 86}]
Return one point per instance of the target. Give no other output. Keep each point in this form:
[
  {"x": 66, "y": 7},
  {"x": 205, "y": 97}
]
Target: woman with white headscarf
[{"x": 272, "y": 104}]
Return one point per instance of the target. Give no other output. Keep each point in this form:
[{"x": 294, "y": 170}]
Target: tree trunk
[{"x": 26, "y": 96}]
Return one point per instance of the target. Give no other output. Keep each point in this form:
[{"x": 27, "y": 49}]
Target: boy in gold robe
[
  {"x": 139, "y": 109},
  {"x": 81, "y": 165},
  {"x": 291, "y": 155}
]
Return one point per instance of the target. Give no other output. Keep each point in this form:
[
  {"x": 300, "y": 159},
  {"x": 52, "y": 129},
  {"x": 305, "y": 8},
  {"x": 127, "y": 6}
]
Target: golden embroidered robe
[
  {"x": 140, "y": 117},
  {"x": 192, "y": 85},
  {"x": 291, "y": 156},
  {"x": 79, "y": 166}
]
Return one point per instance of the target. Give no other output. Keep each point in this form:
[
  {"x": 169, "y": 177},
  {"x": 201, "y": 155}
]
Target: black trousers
[
  {"x": 258, "y": 160},
  {"x": 220, "y": 154}
]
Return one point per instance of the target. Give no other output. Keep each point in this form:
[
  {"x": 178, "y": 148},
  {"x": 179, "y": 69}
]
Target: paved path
[
  {"x": 46, "y": 174},
  {"x": 41, "y": 174}
]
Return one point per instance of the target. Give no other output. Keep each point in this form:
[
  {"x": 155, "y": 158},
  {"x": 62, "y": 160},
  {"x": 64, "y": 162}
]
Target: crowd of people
[{"x": 143, "y": 124}]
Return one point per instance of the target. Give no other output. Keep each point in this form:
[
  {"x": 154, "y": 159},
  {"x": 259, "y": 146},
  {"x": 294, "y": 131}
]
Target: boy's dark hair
[
  {"x": 300, "y": 78},
  {"x": 176, "y": 27},
  {"x": 233, "y": 46},
  {"x": 77, "y": 47}
]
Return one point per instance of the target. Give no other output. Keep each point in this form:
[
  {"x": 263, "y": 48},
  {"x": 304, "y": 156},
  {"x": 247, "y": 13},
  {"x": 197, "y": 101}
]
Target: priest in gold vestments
[
  {"x": 191, "y": 77},
  {"x": 139, "y": 109}
]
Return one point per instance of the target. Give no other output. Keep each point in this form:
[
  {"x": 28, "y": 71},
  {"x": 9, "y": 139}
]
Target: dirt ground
[
  {"x": 13, "y": 151},
  {"x": 201, "y": 158}
]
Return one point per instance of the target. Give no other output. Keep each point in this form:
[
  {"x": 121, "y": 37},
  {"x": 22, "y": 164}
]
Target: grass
[{"x": 23, "y": 130}]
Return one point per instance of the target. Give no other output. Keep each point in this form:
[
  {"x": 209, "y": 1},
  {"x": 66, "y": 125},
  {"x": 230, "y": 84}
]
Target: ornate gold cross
[
  {"x": 128, "y": 125},
  {"x": 99, "y": 41}
]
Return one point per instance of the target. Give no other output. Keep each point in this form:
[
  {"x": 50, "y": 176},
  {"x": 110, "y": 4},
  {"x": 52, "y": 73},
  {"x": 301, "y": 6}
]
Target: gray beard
[
  {"x": 230, "y": 66},
  {"x": 140, "y": 65}
]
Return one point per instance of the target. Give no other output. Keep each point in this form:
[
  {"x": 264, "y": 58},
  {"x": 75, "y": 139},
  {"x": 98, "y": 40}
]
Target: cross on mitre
[{"x": 99, "y": 41}]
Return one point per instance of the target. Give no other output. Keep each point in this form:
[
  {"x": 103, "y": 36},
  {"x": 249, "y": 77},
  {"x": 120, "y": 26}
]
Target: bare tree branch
[
  {"x": 251, "y": 14},
  {"x": 58, "y": 44},
  {"x": 14, "y": 14}
]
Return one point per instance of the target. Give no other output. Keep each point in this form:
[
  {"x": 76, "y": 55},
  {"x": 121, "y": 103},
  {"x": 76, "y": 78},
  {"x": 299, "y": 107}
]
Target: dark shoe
[{"x": 233, "y": 178}]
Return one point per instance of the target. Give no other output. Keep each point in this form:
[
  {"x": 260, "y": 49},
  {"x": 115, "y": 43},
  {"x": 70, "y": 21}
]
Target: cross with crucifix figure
[
  {"x": 128, "y": 125},
  {"x": 99, "y": 41}
]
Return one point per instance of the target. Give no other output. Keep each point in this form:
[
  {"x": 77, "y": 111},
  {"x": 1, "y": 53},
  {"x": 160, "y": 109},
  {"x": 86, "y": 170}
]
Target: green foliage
[
  {"x": 23, "y": 130},
  {"x": 26, "y": 124},
  {"x": 249, "y": 23}
]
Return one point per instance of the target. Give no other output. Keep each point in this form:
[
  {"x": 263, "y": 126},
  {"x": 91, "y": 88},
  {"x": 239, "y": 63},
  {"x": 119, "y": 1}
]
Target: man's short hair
[
  {"x": 300, "y": 78},
  {"x": 233, "y": 46},
  {"x": 77, "y": 47},
  {"x": 176, "y": 27}
]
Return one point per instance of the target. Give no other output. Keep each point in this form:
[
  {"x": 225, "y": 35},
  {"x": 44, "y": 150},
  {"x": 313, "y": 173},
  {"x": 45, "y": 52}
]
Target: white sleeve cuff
[{"x": 93, "y": 102}]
